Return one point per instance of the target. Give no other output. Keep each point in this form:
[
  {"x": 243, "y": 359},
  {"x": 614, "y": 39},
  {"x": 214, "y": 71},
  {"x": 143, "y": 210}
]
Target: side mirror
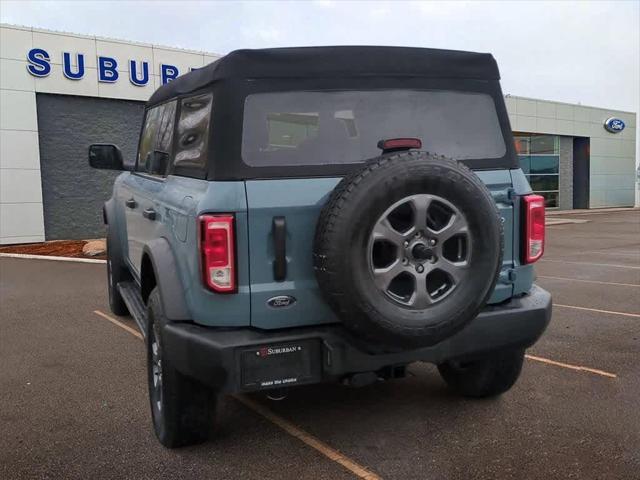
[
  {"x": 157, "y": 162},
  {"x": 105, "y": 156}
]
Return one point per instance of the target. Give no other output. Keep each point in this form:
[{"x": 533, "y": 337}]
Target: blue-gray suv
[{"x": 302, "y": 215}]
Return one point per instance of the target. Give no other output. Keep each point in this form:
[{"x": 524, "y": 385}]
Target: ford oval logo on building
[
  {"x": 614, "y": 125},
  {"x": 281, "y": 301}
]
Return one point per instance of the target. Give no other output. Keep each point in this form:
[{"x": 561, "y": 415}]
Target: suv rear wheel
[
  {"x": 182, "y": 409},
  {"x": 484, "y": 377}
]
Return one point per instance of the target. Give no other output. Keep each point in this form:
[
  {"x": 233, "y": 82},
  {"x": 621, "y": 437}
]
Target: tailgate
[{"x": 297, "y": 300}]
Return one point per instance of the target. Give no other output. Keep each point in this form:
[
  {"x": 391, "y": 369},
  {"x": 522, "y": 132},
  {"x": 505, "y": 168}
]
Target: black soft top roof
[{"x": 318, "y": 62}]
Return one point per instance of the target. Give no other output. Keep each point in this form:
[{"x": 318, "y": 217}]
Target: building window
[{"x": 539, "y": 157}]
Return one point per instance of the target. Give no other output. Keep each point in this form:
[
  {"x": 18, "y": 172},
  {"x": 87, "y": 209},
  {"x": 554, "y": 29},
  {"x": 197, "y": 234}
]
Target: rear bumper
[{"x": 218, "y": 357}]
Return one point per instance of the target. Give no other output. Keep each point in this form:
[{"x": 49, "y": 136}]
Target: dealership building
[{"x": 60, "y": 92}]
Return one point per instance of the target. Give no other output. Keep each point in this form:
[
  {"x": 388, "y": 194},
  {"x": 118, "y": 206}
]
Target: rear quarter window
[
  {"x": 193, "y": 133},
  {"x": 343, "y": 127}
]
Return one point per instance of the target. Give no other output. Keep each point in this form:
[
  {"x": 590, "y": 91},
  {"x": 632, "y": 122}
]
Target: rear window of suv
[{"x": 341, "y": 127}]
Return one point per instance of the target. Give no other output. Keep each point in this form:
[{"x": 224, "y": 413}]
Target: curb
[
  {"x": 591, "y": 211},
  {"x": 564, "y": 221},
  {"x": 48, "y": 257}
]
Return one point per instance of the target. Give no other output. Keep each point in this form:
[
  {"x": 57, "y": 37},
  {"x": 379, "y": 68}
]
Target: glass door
[{"x": 539, "y": 157}]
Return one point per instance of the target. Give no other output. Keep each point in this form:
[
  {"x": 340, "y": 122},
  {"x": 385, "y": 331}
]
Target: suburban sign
[
  {"x": 73, "y": 68},
  {"x": 614, "y": 125}
]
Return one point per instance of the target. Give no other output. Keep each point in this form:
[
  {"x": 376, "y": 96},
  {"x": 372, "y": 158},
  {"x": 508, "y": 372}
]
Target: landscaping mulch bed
[{"x": 58, "y": 248}]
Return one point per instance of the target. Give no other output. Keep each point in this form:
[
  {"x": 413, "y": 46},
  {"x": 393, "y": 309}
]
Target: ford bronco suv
[{"x": 303, "y": 215}]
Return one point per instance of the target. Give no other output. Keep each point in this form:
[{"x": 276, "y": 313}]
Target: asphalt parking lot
[{"x": 73, "y": 399}]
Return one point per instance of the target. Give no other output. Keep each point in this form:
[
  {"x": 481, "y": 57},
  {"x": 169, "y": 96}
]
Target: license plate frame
[{"x": 280, "y": 364}]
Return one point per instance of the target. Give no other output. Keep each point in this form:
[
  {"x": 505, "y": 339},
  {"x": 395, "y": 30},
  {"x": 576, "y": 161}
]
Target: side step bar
[{"x": 138, "y": 310}]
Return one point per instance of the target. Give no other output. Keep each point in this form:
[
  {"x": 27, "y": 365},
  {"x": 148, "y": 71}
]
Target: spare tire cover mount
[{"x": 408, "y": 249}]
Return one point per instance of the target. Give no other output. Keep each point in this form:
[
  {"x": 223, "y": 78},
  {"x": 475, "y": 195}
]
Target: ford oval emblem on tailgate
[{"x": 281, "y": 301}]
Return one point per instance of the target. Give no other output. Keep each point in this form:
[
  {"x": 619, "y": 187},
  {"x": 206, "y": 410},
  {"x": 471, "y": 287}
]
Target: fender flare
[
  {"x": 114, "y": 246},
  {"x": 165, "y": 270}
]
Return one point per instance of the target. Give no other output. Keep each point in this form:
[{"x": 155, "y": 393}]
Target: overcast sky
[{"x": 587, "y": 52}]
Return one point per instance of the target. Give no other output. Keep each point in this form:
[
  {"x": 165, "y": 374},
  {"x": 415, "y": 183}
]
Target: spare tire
[{"x": 408, "y": 249}]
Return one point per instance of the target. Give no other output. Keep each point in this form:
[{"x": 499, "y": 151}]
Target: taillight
[
  {"x": 533, "y": 244},
  {"x": 217, "y": 248}
]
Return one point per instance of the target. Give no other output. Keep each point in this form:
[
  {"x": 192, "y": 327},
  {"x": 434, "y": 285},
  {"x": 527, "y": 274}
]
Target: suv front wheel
[
  {"x": 484, "y": 377},
  {"x": 182, "y": 409}
]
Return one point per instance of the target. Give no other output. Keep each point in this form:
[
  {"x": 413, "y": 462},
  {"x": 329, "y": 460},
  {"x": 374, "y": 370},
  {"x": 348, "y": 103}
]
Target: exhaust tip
[{"x": 278, "y": 394}]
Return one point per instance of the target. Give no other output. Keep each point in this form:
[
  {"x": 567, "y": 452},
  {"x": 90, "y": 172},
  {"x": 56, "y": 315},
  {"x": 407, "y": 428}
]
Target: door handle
[
  {"x": 149, "y": 213},
  {"x": 279, "y": 231},
  {"x": 131, "y": 203}
]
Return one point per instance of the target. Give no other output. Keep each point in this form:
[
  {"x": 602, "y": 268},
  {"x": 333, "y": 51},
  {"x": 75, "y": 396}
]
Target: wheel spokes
[
  {"x": 383, "y": 230},
  {"x": 384, "y": 276},
  {"x": 457, "y": 225},
  {"x": 156, "y": 368},
  {"x": 419, "y": 250},
  {"x": 455, "y": 270},
  {"x": 421, "y": 204},
  {"x": 421, "y": 298}
]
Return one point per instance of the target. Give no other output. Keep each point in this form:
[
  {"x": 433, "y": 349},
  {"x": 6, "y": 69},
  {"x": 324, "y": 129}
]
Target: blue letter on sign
[
  {"x": 66, "y": 66},
  {"x": 107, "y": 69},
  {"x": 168, "y": 73},
  {"x": 39, "y": 65},
  {"x": 133, "y": 75}
]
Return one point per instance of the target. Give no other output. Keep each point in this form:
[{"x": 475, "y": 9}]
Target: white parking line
[
  {"x": 600, "y": 211},
  {"x": 611, "y": 252},
  {"x": 118, "y": 323},
  {"x": 590, "y": 281},
  {"x": 581, "y": 253},
  {"x": 571, "y": 367},
  {"x": 50, "y": 257},
  {"x": 609, "y": 312},
  {"x": 615, "y": 265},
  {"x": 318, "y": 445}
]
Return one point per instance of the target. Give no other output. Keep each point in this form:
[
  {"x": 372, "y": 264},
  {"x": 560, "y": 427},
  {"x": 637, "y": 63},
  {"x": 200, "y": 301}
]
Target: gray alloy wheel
[
  {"x": 156, "y": 370},
  {"x": 419, "y": 250}
]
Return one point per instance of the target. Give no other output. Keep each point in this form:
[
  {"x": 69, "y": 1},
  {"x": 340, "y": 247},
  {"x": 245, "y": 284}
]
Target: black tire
[
  {"x": 485, "y": 377},
  {"x": 182, "y": 409},
  {"x": 345, "y": 225},
  {"x": 116, "y": 273}
]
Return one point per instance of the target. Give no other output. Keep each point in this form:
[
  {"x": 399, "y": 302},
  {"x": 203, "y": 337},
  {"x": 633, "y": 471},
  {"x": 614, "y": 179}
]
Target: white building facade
[{"x": 59, "y": 92}]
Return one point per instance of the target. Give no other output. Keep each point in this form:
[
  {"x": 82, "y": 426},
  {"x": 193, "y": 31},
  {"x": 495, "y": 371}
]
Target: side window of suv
[
  {"x": 193, "y": 134},
  {"x": 156, "y": 141}
]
